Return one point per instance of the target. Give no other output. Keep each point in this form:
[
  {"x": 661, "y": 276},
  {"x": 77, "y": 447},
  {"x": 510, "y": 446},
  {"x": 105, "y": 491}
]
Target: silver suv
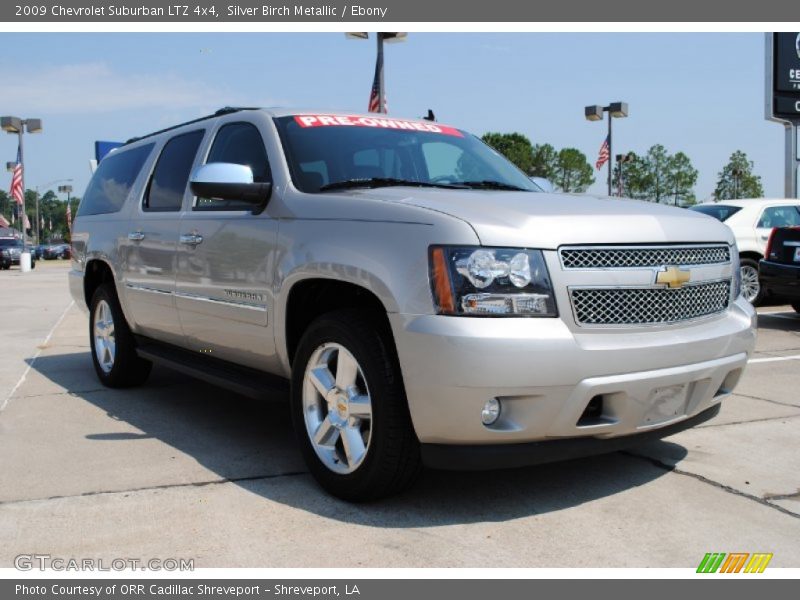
[{"x": 423, "y": 301}]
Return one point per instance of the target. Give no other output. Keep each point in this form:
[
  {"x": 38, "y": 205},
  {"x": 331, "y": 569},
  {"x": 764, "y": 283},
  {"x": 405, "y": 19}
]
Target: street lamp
[
  {"x": 15, "y": 125},
  {"x": 381, "y": 37},
  {"x": 621, "y": 160},
  {"x": 615, "y": 110},
  {"x": 38, "y": 219}
]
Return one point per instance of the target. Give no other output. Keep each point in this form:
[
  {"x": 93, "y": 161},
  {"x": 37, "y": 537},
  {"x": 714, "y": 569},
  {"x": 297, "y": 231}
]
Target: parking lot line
[
  {"x": 773, "y": 359},
  {"x": 36, "y": 355}
]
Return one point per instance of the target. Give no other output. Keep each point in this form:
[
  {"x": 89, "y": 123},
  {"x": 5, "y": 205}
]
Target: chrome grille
[
  {"x": 598, "y": 257},
  {"x": 648, "y": 306}
]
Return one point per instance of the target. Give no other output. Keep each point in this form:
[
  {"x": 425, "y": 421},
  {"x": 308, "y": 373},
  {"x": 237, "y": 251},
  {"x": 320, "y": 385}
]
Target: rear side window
[
  {"x": 780, "y": 216},
  {"x": 112, "y": 182},
  {"x": 171, "y": 175},
  {"x": 240, "y": 144}
]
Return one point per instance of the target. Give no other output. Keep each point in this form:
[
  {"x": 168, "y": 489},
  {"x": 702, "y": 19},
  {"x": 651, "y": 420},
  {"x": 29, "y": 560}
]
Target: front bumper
[
  {"x": 546, "y": 375},
  {"x": 480, "y": 457},
  {"x": 780, "y": 279}
]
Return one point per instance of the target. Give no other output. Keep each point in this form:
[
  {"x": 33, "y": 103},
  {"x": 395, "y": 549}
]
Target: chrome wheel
[
  {"x": 105, "y": 345},
  {"x": 751, "y": 287},
  {"x": 337, "y": 408}
]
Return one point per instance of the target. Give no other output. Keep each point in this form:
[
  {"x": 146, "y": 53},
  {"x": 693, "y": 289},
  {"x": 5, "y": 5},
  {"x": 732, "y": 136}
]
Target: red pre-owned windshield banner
[{"x": 379, "y": 122}]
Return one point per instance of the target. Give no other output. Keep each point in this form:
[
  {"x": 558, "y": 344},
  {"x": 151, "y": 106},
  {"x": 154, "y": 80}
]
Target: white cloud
[{"x": 95, "y": 87}]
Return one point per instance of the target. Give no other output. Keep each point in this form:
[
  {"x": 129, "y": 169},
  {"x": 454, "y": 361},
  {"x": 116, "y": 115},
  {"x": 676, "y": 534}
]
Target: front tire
[
  {"x": 113, "y": 348},
  {"x": 752, "y": 290},
  {"x": 796, "y": 306},
  {"x": 349, "y": 408}
]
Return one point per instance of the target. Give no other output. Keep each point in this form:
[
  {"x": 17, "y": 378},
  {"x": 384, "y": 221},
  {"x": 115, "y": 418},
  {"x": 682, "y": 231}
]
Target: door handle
[
  {"x": 191, "y": 239},
  {"x": 136, "y": 236}
]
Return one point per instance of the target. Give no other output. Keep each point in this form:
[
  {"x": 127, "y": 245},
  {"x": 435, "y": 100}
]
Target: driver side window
[{"x": 240, "y": 144}]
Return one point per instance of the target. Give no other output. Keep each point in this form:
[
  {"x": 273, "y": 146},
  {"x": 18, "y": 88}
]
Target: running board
[{"x": 242, "y": 380}]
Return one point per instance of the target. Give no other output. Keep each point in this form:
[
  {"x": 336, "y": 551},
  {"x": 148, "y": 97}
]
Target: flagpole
[
  {"x": 381, "y": 90},
  {"x": 610, "y": 155},
  {"x": 22, "y": 162}
]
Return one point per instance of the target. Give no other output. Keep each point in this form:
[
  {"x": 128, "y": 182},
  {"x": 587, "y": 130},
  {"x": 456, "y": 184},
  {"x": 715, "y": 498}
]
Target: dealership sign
[{"x": 785, "y": 76}]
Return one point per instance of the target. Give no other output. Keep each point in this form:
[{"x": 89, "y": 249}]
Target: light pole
[
  {"x": 621, "y": 160},
  {"x": 615, "y": 110},
  {"x": 15, "y": 125},
  {"x": 737, "y": 176},
  {"x": 381, "y": 37},
  {"x": 38, "y": 219}
]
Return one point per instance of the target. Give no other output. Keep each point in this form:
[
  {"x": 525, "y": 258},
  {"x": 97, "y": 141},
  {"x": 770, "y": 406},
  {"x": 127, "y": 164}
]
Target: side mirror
[
  {"x": 228, "y": 181},
  {"x": 544, "y": 184}
]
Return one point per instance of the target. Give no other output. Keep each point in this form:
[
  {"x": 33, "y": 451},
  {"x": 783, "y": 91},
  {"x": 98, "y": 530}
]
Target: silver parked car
[{"x": 423, "y": 301}]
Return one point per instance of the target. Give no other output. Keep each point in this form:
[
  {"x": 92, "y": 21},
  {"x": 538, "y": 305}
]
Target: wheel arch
[{"x": 311, "y": 297}]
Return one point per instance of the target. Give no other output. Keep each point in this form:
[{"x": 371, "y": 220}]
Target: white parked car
[{"x": 752, "y": 220}]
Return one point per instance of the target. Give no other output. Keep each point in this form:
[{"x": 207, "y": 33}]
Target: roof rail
[{"x": 222, "y": 111}]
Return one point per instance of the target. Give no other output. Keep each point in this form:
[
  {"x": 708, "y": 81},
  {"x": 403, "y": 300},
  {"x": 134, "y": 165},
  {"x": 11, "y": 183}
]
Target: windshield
[
  {"x": 333, "y": 152},
  {"x": 718, "y": 211},
  {"x": 4, "y": 242}
]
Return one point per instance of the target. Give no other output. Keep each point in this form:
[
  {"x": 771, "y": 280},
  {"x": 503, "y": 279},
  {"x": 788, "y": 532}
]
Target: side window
[
  {"x": 171, "y": 175},
  {"x": 112, "y": 182},
  {"x": 780, "y": 216},
  {"x": 240, "y": 144}
]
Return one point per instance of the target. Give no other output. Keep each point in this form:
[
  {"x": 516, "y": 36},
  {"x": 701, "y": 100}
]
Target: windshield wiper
[
  {"x": 386, "y": 182},
  {"x": 489, "y": 184}
]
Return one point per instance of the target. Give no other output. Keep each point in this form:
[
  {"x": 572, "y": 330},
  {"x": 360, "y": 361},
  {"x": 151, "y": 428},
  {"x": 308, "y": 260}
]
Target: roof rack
[{"x": 222, "y": 111}]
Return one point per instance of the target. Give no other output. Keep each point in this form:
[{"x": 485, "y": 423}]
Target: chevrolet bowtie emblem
[{"x": 673, "y": 277}]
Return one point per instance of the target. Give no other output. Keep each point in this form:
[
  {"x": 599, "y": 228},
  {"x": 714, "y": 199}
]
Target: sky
[{"x": 702, "y": 94}]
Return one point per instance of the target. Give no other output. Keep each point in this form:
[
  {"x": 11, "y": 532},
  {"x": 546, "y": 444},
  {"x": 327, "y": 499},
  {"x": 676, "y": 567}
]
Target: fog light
[{"x": 491, "y": 411}]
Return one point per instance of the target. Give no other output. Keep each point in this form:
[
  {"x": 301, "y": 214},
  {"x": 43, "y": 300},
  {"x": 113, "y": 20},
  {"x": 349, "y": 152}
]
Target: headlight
[
  {"x": 736, "y": 282},
  {"x": 491, "y": 282}
]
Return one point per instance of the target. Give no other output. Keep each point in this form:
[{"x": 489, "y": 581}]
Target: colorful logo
[{"x": 735, "y": 562}]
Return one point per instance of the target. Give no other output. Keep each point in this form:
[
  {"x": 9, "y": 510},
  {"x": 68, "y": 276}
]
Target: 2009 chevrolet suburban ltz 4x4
[{"x": 422, "y": 300}]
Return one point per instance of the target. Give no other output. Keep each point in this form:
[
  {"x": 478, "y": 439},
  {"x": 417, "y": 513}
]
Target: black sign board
[{"x": 786, "y": 75}]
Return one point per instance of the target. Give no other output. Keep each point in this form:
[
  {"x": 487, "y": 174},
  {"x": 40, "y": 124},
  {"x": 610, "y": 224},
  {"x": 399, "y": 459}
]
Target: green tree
[
  {"x": 573, "y": 171},
  {"x": 514, "y": 146},
  {"x": 658, "y": 176},
  {"x": 681, "y": 179},
  {"x": 544, "y": 162},
  {"x": 737, "y": 180}
]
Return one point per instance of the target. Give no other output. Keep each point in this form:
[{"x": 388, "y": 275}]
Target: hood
[{"x": 539, "y": 220}]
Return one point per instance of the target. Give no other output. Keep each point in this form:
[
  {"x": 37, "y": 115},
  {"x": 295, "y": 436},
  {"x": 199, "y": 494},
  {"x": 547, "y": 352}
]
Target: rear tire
[
  {"x": 752, "y": 289},
  {"x": 357, "y": 438},
  {"x": 113, "y": 347},
  {"x": 796, "y": 306}
]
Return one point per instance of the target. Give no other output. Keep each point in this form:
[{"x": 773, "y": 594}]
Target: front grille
[
  {"x": 599, "y": 257},
  {"x": 648, "y": 306}
]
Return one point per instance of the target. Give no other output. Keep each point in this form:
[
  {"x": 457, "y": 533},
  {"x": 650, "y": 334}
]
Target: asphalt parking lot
[{"x": 181, "y": 469}]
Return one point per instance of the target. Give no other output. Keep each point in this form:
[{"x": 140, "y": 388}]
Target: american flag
[
  {"x": 375, "y": 93},
  {"x": 16, "y": 180},
  {"x": 4, "y": 222},
  {"x": 69, "y": 217},
  {"x": 602, "y": 157}
]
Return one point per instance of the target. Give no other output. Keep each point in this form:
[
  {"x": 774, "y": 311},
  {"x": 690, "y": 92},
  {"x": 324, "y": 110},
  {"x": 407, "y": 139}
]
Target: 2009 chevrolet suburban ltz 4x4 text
[{"x": 422, "y": 300}]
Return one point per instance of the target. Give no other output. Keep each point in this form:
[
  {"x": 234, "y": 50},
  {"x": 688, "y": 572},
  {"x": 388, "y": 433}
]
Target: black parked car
[
  {"x": 10, "y": 251},
  {"x": 52, "y": 251},
  {"x": 780, "y": 269}
]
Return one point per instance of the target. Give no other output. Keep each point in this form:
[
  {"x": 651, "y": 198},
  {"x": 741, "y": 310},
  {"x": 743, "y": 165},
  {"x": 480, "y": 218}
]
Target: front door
[{"x": 226, "y": 262}]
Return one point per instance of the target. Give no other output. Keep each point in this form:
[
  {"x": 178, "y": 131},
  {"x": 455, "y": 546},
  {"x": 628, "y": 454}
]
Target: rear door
[
  {"x": 152, "y": 241},
  {"x": 226, "y": 260}
]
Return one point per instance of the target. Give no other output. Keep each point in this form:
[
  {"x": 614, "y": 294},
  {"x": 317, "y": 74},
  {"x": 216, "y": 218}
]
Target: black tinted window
[
  {"x": 718, "y": 211},
  {"x": 240, "y": 144},
  {"x": 112, "y": 182},
  {"x": 171, "y": 174}
]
